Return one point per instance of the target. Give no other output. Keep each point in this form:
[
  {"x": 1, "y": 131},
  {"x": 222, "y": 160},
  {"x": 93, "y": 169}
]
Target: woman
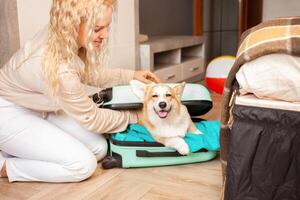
[{"x": 50, "y": 130}]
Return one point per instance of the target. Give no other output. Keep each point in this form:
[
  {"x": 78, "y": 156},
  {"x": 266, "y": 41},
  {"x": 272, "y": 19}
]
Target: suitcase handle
[{"x": 143, "y": 153}]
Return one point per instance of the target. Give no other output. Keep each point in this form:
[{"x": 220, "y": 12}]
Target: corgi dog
[{"x": 163, "y": 114}]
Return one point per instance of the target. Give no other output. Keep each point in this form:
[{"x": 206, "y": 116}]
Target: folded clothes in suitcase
[{"x": 136, "y": 148}]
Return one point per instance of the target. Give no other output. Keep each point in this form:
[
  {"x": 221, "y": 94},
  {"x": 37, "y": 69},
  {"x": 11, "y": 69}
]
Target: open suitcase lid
[{"x": 195, "y": 96}]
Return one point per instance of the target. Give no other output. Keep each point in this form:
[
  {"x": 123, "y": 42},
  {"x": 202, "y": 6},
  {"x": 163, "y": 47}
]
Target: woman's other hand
[{"x": 146, "y": 77}]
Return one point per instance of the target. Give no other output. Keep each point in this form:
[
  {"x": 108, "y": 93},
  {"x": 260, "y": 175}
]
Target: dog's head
[{"x": 159, "y": 99}]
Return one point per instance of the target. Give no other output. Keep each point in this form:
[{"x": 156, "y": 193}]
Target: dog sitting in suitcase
[{"x": 163, "y": 114}]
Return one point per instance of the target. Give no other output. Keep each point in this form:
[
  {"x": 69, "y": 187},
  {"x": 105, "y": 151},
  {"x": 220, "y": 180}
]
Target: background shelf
[{"x": 174, "y": 58}]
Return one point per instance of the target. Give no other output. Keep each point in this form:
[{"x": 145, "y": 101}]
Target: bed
[
  {"x": 260, "y": 131},
  {"x": 264, "y": 154}
]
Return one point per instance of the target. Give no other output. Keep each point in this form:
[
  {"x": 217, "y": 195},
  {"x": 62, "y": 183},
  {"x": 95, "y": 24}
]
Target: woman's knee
[
  {"x": 100, "y": 150},
  {"x": 82, "y": 167},
  {"x": 95, "y": 142}
]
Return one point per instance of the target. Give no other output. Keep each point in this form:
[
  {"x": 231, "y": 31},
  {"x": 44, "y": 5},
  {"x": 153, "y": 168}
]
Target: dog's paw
[
  {"x": 193, "y": 129},
  {"x": 184, "y": 149},
  {"x": 197, "y": 132}
]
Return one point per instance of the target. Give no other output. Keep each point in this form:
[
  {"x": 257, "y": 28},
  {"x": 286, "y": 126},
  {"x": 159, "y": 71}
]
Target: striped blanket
[{"x": 280, "y": 35}]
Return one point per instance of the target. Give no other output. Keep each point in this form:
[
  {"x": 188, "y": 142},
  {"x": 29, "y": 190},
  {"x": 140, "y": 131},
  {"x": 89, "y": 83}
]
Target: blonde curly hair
[{"x": 62, "y": 46}]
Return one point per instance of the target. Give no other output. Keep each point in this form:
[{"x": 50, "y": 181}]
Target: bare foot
[{"x": 3, "y": 171}]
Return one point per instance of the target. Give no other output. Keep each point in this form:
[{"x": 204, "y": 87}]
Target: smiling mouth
[
  {"x": 98, "y": 43},
  {"x": 162, "y": 113}
]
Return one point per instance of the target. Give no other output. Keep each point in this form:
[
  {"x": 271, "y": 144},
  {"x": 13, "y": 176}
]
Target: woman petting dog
[{"x": 50, "y": 130}]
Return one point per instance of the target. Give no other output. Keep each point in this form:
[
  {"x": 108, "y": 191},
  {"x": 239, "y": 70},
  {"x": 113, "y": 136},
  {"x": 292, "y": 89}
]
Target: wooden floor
[{"x": 200, "y": 181}]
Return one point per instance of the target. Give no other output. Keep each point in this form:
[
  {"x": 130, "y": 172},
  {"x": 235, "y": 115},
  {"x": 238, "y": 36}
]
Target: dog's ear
[
  {"x": 179, "y": 89},
  {"x": 138, "y": 88}
]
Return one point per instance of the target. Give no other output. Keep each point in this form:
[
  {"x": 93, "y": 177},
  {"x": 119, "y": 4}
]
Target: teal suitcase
[{"x": 129, "y": 154}]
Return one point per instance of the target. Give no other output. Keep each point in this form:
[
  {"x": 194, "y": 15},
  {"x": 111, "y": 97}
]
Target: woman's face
[{"x": 101, "y": 29}]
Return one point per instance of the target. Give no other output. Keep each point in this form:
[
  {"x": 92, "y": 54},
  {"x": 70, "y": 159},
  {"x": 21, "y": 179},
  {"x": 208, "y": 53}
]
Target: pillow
[{"x": 274, "y": 76}]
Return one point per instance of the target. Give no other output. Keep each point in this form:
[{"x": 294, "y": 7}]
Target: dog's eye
[
  {"x": 168, "y": 95},
  {"x": 154, "y": 96}
]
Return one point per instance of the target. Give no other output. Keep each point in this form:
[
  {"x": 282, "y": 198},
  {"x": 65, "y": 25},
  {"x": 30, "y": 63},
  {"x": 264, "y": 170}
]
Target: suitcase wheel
[{"x": 110, "y": 162}]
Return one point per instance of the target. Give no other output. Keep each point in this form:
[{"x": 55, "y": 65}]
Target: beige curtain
[{"x": 9, "y": 30}]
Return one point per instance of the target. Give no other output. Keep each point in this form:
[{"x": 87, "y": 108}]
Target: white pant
[{"x": 53, "y": 150}]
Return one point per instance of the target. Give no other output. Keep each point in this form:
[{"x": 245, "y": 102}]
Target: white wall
[
  {"x": 34, "y": 15},
  {"x": 280, "y": 8},
  {"x": 125, "y": 48},
  {"x": 9, "y": 29}
]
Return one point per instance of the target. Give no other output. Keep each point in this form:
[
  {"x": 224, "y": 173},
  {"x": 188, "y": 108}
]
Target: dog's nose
[{"x": 162, "y": 104}]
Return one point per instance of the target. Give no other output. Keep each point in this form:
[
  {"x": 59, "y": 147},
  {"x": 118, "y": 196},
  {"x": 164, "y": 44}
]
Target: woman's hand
[{"x": 146, "y": 77}]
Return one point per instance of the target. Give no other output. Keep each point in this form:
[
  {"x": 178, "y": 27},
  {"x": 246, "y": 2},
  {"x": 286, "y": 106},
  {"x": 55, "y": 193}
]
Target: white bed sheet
[
  {"x": 274, "y": 76},
  {"x": 251, "y": 100}
]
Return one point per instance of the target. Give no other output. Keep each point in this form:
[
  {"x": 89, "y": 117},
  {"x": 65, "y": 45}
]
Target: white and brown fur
[{"x": 170, "y": 129}]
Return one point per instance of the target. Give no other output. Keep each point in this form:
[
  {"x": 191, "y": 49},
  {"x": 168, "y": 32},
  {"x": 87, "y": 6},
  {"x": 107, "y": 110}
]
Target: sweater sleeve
[
  {"x": 73, "y": 100},
  {"x": 111, "y": 77}
]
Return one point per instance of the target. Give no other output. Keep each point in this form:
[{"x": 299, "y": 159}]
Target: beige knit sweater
[{"x": 21, "y": 82}]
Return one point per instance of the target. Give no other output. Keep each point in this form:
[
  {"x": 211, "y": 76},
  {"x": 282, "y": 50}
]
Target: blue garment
[{"x": 208, "y": 140}]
